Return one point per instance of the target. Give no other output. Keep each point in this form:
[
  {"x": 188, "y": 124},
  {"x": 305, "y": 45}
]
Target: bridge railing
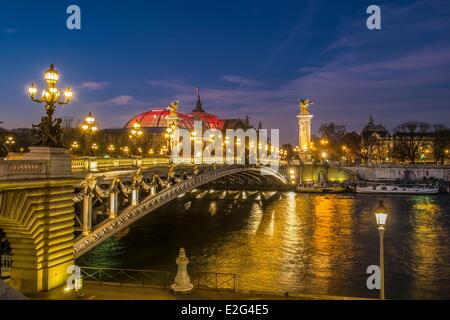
[
  {"x": 22, "y": 169},
  {"x": 156, "y": 279},
  {"x": 93, "y": 164}
]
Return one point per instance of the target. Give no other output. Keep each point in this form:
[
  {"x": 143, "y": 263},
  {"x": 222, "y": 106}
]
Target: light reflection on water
[{"x": 299, "y": 243}]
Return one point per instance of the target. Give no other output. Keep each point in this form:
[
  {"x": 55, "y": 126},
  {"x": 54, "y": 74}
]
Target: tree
[
  {"x": 332, "y": 135},
  {"x": 332, "y": 131},
  {"x": 408, "y": 137},
  {"x": 351, "y": 145},
  {"x": 440, "y": 142}
]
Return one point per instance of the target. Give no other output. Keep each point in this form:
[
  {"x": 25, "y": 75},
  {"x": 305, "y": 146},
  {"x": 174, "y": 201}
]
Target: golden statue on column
[{"x": 304, "y": 130}]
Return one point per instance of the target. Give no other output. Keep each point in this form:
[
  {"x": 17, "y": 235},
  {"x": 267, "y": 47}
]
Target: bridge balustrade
[{"x": 23, "y": 169}]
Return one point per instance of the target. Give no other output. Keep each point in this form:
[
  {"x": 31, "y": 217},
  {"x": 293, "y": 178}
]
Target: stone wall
[{"x": 401, "y": 172}]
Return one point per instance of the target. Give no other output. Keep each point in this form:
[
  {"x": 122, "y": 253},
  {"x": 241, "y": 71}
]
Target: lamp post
[
  {"x": 381, "y": 216},
  {"x": 49, "y": 132},
  {"x": 94, "y": 148},
  {"x": 89, "y": 128},
  {"x": 136, "y": 133},
  {"x": 9, "y": 143},
  {"x": 74, "y": 146},
  {"x": 169, "y": 136},
  {"x": 111, "y": 149}
]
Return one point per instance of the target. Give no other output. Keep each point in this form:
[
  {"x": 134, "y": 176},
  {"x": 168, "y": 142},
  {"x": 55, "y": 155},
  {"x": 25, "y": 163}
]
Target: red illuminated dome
[{"x": 157, "y": 118}]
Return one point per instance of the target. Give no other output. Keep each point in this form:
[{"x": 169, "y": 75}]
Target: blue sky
[{"x": 251, "y": 58}]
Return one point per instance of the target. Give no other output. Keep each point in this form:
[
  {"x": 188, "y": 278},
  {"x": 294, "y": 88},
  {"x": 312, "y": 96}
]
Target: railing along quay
[{"x": 156, "y": 279}]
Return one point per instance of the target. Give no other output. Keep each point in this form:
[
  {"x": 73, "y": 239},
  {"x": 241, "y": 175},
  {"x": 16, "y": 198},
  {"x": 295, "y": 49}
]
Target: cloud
[
  {"x": 93, "y": 85},
  {"x": 121, "y": 100},
  {"x": 239, "y": 80},
  {"x": 116, "y": 101},
  {"x": 345, "y": 42}
]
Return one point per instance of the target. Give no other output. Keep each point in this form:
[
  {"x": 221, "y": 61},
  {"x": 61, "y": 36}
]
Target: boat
[
  {"x": 320, "y": 188},
  {"x": 396, "y": 188}
]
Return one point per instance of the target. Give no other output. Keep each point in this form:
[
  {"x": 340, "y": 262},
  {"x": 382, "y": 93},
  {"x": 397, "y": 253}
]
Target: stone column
[
  {"x": 153, "y": 191},
  {"x": 87, "y": 212},
  {"x": 304, "y": 135},
  {"x": 112, "y": 205},
  {"x": 182, "y": 283}
]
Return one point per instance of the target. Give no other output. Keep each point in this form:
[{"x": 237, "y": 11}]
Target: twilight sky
[{"x": 251, "y": 58}]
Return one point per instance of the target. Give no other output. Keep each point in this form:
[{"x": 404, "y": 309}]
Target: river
[{"x": 301, "y": 243}]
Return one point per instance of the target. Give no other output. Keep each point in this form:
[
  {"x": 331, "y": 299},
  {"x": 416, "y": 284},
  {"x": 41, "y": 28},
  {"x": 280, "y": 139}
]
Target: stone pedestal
[
  {"x": 182, "y": 283},
  {"x": 59, "y": 164}
]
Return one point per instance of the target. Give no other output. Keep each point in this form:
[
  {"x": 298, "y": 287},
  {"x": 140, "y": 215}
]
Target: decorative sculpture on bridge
[{"x": 304, "y": 105}]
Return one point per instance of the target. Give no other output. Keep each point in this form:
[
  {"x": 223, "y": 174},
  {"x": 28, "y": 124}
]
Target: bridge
[
  {"x": 168, "y": 190},
  {"x": 46, "y": 227}
]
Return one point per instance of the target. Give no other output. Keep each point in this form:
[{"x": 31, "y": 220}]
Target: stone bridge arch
[
  {"x": 37, "y": 218},
  {"x": 84, "y": 243}
]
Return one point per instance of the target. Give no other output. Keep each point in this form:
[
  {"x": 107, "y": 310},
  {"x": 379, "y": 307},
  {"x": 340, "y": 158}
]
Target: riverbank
[{"x": 111, "y": 292}]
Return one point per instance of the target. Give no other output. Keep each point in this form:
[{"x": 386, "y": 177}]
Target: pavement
[
  {"x": 93, "y": 291},
  {"x": 8, "y": 293}
]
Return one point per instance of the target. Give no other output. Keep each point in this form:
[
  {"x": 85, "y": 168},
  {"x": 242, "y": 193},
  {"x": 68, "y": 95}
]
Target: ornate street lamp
[
  {"x": 89, "y": 129},
  {"x": 89, "y": 126},
  {"x": 9, "y": 143},
  {"x": 169, "y": 135},
  {"x": 136, "y": 133},
  {"x": 111, "y": 148},
  {"x": 49, "y": 132},
  {"x": 381, "y": 216},
  {"x": 94, "y": 148},
  {"x": 74, "y": 146}
]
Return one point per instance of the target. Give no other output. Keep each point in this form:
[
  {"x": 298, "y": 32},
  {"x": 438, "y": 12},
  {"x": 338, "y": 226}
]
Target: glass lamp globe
[
  {"x": 51, "y": 75},
  {"x": 381, "y": 214}
]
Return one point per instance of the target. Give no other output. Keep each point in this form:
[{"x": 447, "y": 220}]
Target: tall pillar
[
  {"x": 112, "y": 205},
  {"x": 304, "y": 130},
  {"x": 87, "y": 212}
]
